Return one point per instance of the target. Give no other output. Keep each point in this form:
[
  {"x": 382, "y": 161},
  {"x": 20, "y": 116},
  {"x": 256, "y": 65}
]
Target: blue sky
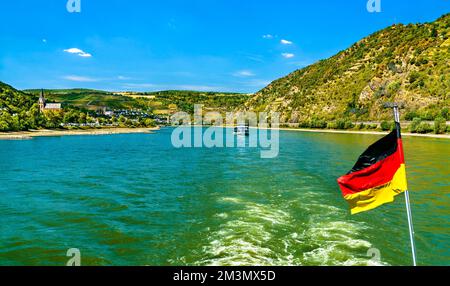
[{"x": 147, "y": 45}]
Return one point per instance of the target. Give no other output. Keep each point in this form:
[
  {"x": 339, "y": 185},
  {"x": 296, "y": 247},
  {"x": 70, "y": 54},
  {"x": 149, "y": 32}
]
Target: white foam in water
[
  {"x": 252, "y": 237},
  {"x": 222, "y": 215},
  {"x": 232, "y": 200},
  {"x": 246, "y": 239},
  {"x": 336, "y": 244}
]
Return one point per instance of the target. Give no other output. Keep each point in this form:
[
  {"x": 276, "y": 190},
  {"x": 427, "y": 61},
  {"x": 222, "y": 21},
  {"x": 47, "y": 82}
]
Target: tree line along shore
[{"x": 416, "y": 126}]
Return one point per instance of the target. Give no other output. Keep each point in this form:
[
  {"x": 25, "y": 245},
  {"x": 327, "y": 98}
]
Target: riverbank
[
  {"x": 108, "y": 131},
  {"x": 52, "y": 133},
  {"x": 442, "y": 136},
  {"x": 363, "y": 132}
]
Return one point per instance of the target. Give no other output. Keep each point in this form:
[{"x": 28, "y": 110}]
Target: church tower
[{"x": 42, "y": 101}]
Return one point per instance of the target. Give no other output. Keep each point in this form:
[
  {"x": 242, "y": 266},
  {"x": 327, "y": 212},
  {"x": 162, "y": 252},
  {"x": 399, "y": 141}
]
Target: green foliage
[
  {"x": 149, "y": 123},
  {"x": 419, "y": 126},
  {"x": 434, "y": 32},
  {"x": 440, "y": 125},
  {"x": 318, "y": 123},
  {"x": 53, "y": 119},
  {"x": 393, "y": 87},
  {"x": 416, "y": 79},
  {"x": 424, "y": 127},
  {"x": 343, "y": 124},
  {"x": 89, "y": 99},
  {"x": 129, "y": 123},
  {"x": 411, "y": 115},
  {"x": 387, "y": 126},
  {"x": 71, "y": 116},
  {"x": 86, "y": 99},
  {"x": 429, "y": 115},
  {"x": 445, "y": 113},
  {"x": 82, "y": 118},
  {"x": 415, "y": 125},
  {"x": 18, "y": 111},
  {"x": 372, "y": 126},
  {"x": 332, "y": 125},
  {"x": 304, "y": 124},
  {"x": 185, "y": 100},
  {"x": 5, "y": 121},
  {"x": 361, "y": 126}
]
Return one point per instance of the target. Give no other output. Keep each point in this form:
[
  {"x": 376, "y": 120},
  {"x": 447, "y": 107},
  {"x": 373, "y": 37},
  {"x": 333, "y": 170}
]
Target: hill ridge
[{"x": 409, "y": 64}]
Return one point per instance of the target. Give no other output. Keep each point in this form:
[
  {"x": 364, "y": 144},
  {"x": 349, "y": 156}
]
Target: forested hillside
[{"x": 18, "y": 111}]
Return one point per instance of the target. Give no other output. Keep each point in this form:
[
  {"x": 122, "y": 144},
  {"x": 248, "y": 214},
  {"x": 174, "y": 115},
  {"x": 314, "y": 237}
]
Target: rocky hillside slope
[{"x": 409, "y": 64}]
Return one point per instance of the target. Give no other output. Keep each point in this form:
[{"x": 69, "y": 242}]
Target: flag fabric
[{"x": 378, "y": 175}]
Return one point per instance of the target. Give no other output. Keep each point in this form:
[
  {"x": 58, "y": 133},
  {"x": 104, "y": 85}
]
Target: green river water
[{"x": 135, "y": 200}]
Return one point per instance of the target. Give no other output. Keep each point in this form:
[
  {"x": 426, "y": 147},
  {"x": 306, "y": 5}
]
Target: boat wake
[{"x": 265, "y": 235}]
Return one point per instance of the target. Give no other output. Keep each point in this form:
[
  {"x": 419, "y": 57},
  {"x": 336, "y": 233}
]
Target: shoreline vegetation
[
  {"x": 407, "y": 134},
  {"x": 362, "y": 132},
  {"x": 20, "y": 135}
]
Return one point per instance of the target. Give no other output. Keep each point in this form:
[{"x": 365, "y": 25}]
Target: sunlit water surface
[{"x": 135, "y": 200}]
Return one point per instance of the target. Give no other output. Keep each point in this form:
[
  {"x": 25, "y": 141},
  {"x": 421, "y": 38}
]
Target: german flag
[{"x": 378, "y": 176}]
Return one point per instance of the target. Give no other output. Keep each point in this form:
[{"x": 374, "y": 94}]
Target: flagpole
[{"x": 407, "y": 201}]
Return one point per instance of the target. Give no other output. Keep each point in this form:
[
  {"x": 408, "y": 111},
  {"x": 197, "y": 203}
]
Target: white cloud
[
  {"x": 79, "y": 78},
  {"x": 120, "y": 77},
  {"x": 286, "y": 42},
  {"x": 85, "y": 55},
  {"x": 268, "y": 36},
  {"x": 288, "y": 55},
  {"x": 78, "y": 52},
  {"x": 243, "y": 73}
]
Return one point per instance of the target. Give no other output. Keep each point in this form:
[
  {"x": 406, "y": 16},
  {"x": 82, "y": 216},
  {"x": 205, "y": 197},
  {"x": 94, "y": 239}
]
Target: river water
[{"x": 134, "y": 199}]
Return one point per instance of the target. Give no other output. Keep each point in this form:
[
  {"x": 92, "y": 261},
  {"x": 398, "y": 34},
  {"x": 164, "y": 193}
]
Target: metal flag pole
[{"x": 408, "y": 205}]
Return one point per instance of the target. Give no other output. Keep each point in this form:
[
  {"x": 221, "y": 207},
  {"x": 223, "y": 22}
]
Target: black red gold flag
[{"x": 377, "y": 177}]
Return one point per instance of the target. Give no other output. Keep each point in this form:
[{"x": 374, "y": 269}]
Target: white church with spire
[{"x": 43, "y": 106}]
